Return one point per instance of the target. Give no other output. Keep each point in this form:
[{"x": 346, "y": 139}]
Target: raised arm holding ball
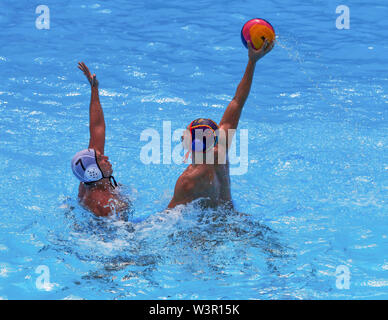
[{"x": 204, "y": 139}]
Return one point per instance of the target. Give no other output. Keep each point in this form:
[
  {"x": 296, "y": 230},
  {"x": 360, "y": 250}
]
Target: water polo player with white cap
[{"x": 98, "y": 188}]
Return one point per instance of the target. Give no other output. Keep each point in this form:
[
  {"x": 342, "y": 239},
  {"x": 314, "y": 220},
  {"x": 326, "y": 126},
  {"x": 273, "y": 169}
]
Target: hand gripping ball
[{"x": 256, "y": 31}]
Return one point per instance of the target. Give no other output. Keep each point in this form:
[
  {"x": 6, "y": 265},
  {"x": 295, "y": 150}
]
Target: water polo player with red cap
[
  {"x": 208, "y": 143},
  {"x": 98, "y": 189}
]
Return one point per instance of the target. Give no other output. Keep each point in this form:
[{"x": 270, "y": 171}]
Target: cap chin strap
[
  {"x": 112, "y": 181},
  {"x": 114, "y": 184},
  {"x": 189, "y": 152}
]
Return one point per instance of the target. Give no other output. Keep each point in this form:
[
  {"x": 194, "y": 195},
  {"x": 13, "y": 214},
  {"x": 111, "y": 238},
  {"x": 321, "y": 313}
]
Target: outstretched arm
[
  {"x": 96, "y": 115},
  {"x": 232, "y": 113}
]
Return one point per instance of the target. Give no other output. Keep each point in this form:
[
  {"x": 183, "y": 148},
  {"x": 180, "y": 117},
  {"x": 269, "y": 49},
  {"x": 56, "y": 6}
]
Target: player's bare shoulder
[
  {"x": 98, "y": 201},
  {"x": 186, "y": 181}
]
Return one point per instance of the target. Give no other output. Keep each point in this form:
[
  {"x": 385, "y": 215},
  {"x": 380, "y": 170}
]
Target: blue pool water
[{"x": 314, "y": 199}]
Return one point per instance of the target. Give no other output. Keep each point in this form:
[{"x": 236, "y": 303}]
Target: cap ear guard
[
  {"x": 204, "y": 139},
  {"x": 85, "y": 167},
  {"x": 93, "y": 173},
  {"x": 207, "y": 128},
  {"x": 193, "y": 145},
  {"x": 197, "y": 145}
]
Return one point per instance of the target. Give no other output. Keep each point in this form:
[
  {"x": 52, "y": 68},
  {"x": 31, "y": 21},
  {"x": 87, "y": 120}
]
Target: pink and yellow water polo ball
[{"x": 256, "y": 31}]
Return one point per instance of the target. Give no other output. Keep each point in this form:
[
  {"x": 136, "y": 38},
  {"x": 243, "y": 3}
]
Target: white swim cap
[{"x": 85, "y": 167}]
